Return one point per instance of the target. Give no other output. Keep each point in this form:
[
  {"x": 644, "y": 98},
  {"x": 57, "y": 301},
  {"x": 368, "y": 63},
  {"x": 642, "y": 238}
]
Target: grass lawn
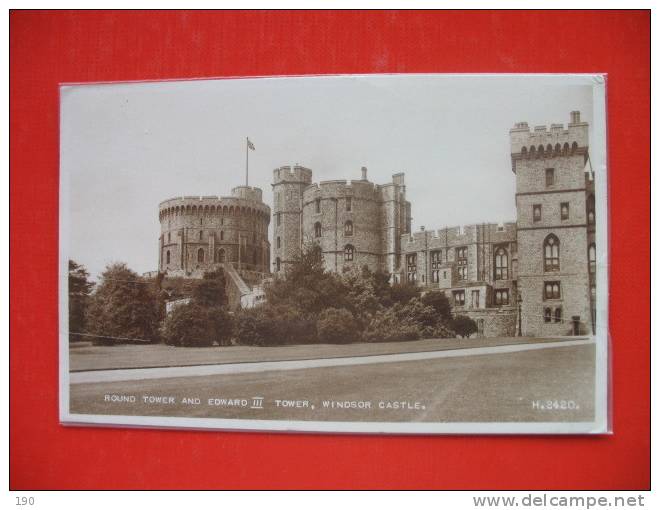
[
  {"x": 89, "y": 357},
  {"x": 484, "y": 388}
]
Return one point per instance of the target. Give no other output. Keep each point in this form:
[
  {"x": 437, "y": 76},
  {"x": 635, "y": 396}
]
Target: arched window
[
  {"x": 558, "y": 314},
  {"x": 317, "y": 229},
  {"x": 222, "y": 235},
  {"x": 221, "y": 255},
  {"x": 591, "y": 210},
  {"x": 200, "y": 235},
  {"x": 592, "y": 258},
  {"x": 551, "y": 253},
  {"x": 348, "y": 228},
  {"x": 558, "y": 149},
  {"x": 565, "y": 149},
  {"x": 278, "y": 264},
  {"x": 540, "y": 151},
  {"x": 167, "y": 256},
  {"x": 501, "y": 264},
  {"x": 348, "y": 252},
  {"x": 574, "y": 147},
  {"x": 200, "y": 255},
  {"x": 548, "y": 149},
  {"x": 523, "y": 152}
]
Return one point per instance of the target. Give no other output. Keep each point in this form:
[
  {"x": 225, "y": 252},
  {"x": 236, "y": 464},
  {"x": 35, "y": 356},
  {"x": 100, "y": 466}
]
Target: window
[
  {"x": 551, "y": 290},
  {"x": 461, "y": 261},
  {"x": 169, "y": 237},
  {"x": 501, "y": 297},
  {"x": 592, "y": 258},
  {"x": 536, "y": 212},
  {"x": 349, "y": 203},
  {"x": 549, "y": 177},
  {"x": 411, "y": 267},
  {"x": 591, "y": 210},
  {"x": 317, "y": 229},
  {"x": 278, "y": 216},
  {"x": 547, "y": 315},
  {"x": 167, "y": 256},
  {"x": 200, "y": 255},
  {"x": 201, "y": 221},
  {"x": 222, "y": 235},
  {"x": 221, "y": 255},
  {"x": 459, "y": 297},
  {"x": 558, "y": 314},
  {"x": 317, "y": 205},
  {"x": 436, "y": 261},
  {"x": 278, "y": 264},
  {"x": 200, "y": 235},
  {"x": 564, "y": 210},
  {"x": 551, "y": 253},
  {"x": 475, "y": 299},
  {"x": 348, "y": 253},
  {"x": 279, "y": 242},
  {"x": 348, "y": 228},
  {"x": 501, "y": 264}
]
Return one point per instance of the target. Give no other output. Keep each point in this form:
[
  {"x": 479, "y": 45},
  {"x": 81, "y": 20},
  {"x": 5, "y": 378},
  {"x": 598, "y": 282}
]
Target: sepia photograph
[{"x": 356, "y": 253}]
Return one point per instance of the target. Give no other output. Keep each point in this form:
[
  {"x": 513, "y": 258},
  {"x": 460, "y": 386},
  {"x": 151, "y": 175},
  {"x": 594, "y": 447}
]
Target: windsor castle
[{"x": 534, "y": 276}]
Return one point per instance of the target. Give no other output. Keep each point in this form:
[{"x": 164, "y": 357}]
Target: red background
[{"x": 47, "y": 48}]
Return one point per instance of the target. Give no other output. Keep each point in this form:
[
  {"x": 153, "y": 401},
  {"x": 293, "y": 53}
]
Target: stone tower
[
  {"x": 288, "y": 186},
  {"x": 555, "y": 227}
]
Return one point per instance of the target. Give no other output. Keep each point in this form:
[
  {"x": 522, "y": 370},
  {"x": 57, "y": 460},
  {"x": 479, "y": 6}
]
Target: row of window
[
  {"x": 500, "y": 297},
  {"x": 349, "y": 254},
  {"x": 219, "y": 256},
  {"x": 200, "y": 236},
  {"x": 348, "y": 229},
  {"x": 501, "y": 270},
  {"x": 564, "y": 211}
]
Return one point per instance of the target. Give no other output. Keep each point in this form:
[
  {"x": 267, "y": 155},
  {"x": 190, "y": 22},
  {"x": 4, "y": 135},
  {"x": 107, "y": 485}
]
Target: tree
[
  {"x": 79, "y": 290},
  {"x": 463, "y": 325},
  {"x": 123, "y": 308},
  {"x": 437, "y": 300},
  {"x": 336, "y": 326},
  {"x": 210, "y": 291}
]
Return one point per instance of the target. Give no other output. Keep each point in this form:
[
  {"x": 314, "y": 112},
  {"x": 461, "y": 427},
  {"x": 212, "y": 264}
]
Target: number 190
[{"x": 24, "y": 500}]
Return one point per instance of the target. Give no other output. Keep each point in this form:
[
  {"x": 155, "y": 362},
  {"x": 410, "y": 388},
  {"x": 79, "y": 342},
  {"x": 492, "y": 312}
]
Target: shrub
[
  {"x": 387, "y": 326},
  {"x": 437, "y": 300},
  {"x": 463, "y": 325},
  {"x": 210, "y": 291},
  {"x": 192, "y": 325},
  {"x": 274, "y": 325},
  {"x": 336, "y": 326}
]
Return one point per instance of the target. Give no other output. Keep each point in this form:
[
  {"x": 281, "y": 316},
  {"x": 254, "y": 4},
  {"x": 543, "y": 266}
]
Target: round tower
[
  {"x": 288, "y": 186},
  {"x": 199, "y": 234}
]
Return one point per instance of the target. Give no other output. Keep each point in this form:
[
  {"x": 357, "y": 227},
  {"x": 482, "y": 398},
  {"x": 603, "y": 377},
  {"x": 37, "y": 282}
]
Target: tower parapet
[{"x": 549, "y": 143}]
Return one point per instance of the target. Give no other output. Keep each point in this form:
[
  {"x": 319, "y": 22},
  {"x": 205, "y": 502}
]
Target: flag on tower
[{"x": 250, "y": 144}]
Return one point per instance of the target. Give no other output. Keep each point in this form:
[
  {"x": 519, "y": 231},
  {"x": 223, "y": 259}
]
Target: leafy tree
[
  {"x": 79, "y": 290},
  {"x": 437, "y": 300},
  {"x": 274, "y": 325},
  {"x": 210, "y": 291},
  {"x": 193, "y": 325},
  {"x": 403, "y": 292},
  {"x": 336, "y": 326},
  {"x": 463, "y": 325},
  {"x": 123, "y": 308}
]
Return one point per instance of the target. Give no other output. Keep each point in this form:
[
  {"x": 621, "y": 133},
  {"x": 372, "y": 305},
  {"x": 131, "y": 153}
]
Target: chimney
[
  {"x": 575, "y": 117},
  {"x": 364, "y": 173}
]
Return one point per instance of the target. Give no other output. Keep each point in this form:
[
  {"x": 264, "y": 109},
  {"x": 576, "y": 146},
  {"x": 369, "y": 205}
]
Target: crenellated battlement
[
  {"x": 459, "y": 235},
  {"x": 288, "y": 174},
  {"x": 215, "y": 205},
  {"x": 553, "y": 142}
]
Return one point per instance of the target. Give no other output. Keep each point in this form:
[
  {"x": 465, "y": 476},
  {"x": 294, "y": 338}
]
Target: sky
[{"x": 125, "y": 147}]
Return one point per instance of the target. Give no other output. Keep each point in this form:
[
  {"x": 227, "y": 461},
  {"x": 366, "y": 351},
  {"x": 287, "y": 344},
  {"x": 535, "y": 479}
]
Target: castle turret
[
  {"x": 555, "y": 217},
  {"x": 288, "y": 186}
]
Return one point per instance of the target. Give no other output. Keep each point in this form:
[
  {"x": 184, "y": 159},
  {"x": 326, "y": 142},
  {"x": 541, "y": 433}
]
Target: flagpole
[{"x": 247, "y": 155}]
